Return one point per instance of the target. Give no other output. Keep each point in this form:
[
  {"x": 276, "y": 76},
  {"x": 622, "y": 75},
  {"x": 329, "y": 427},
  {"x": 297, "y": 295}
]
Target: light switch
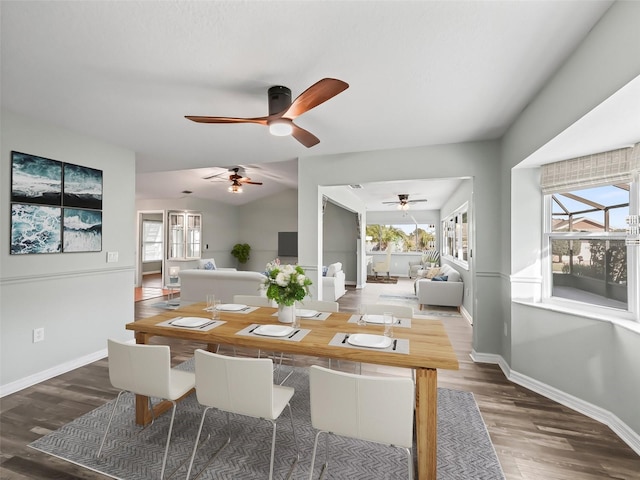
[{"x": 112, "y": 257}]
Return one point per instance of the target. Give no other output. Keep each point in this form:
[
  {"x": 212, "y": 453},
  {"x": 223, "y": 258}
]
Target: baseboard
[
  {"x": 36, "y": 378},
  {"x": 151, "y": 272},
  {"x": 466, "y": 314},
  {"x": 626, "y": 434}
]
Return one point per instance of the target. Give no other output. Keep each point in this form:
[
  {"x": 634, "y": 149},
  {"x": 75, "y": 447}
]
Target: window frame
[
  {"x": 455, "y": 237},
  {"x": 633, "y": 258},
  {"x": 145, "y": 242},
  {"x": 184, "y": 237}
]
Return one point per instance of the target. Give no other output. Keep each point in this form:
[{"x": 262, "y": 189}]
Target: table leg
[{"x": 426, "y": 422}]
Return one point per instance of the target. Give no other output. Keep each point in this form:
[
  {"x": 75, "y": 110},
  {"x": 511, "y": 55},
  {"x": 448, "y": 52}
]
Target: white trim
[
  {"x": 466, "y": 314},
  {"x": 599, "y": 414},
  {"x": 31, "y": 380},
  {"x": 58, "y": 275}
]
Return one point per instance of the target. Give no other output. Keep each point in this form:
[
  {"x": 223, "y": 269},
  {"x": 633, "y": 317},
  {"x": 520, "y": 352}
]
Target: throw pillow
[
  {"x": 433, "y": 272},
  {"x": 209, "y": 266},
  {"x": 442, "y": 278}
]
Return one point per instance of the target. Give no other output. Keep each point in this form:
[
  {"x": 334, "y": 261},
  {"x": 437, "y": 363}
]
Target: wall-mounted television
[{"x": 287, "y": 244}]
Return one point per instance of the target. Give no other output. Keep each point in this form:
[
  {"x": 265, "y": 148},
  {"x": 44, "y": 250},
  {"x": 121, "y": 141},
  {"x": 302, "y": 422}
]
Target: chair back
[
  {"x": 253, "y": 300},
  {"x": 377, "y": 409},
  {"x": 320, "y": 305},
  {"x": 234, "y": 384},
  {"x": 141, "y": 369},
  {"x": 400, "y": 311}
]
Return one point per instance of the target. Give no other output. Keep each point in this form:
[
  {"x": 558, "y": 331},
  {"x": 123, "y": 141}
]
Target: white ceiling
[{"x": 420, "y": 73}]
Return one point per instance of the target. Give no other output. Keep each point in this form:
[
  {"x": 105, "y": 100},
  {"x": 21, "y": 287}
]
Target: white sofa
[
  {"x": 195, "y": 284},
  {"x": 333, "y": 283},
  {"x": 447, "y": 293}
]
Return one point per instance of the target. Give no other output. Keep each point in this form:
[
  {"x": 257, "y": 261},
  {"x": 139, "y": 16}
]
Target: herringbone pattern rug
[{"x": 465, "y": 451}]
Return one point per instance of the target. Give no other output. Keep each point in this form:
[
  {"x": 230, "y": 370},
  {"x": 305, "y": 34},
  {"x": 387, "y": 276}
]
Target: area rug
[
  {"x": 382, "y": 279},
  {"x": 464, "y": 448}
]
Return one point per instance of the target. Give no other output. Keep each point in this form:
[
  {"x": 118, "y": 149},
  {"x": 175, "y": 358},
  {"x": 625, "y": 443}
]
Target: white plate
[
  {"x": 368, "y": 340},
  {"x": 273, "y": 330},
  {"x": 190, "y": 322},
  {"x": 301, "y": 312},
  {"x": 374, "y": 318},
  {"x": 231, "y": 307}
]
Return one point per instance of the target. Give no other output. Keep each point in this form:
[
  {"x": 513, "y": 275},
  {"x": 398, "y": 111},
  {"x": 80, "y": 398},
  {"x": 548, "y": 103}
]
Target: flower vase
[{"x": 286, "y": 313}]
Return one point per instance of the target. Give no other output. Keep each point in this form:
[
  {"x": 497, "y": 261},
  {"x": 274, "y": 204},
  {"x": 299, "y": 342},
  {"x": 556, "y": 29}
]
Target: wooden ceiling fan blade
[
  {"x": 259, "y": 120},
  {"x": 315, "y": 95},
  {"x": 252, "y": 183},
  {"x": 306, "y": 138}
]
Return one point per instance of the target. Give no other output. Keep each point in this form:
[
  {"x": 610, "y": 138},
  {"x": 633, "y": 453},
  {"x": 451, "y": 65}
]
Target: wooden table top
[{"x": 429, "y": 345}]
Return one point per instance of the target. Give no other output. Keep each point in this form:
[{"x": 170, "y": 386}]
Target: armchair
[{"x": 383, "y": 267}]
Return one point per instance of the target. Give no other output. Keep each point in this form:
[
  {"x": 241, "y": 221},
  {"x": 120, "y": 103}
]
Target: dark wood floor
[{"x": 535, "y": 438}]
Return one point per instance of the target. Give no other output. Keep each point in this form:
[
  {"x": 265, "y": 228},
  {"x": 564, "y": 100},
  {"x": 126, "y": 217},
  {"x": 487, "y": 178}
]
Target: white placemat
[
  {"x": 400, "y": 322},
  {"x": 297, "y": 335},
  {"x": 317, "y": 316},
  {"x": 203, "y": 328},
  {"x": 398, "y": 345}
]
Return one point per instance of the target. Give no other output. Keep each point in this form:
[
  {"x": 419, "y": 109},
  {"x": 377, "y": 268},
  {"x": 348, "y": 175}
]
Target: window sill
[{"x": 625, "y": 320}]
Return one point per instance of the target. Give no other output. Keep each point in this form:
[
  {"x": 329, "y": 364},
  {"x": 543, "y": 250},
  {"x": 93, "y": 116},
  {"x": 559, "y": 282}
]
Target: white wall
[
  {"x": 581, "y": 359},
  {"x": 78, "y": 298}
]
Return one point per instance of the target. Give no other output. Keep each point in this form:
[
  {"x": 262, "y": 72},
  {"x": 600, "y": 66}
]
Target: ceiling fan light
[
  {"x": 235, "y": 188},
  {"x": 280, "y": 128}
]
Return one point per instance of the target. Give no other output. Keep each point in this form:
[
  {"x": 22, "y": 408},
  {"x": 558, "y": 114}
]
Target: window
[
  {"x": 403, "y": 238},
  {"x": 586, "y": 235},
  {"x": 590, "y": 255},
  {"x": 184, "y": 235},
  {"x": 151, "y": 240},
  {"x": 455, "y": 236}
]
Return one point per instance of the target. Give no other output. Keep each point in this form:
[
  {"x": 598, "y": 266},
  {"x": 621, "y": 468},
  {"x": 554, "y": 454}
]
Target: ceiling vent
[{"x": 355, "y": 186}]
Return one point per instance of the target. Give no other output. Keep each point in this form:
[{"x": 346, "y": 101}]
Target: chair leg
[
  {"x": 113, "y": 411},
  {"x": 315, "y": 449},
  {"x": 195, "y": 446},
  {"x": 409, "y": 463},
  {"x": 273, "y": 450},
  {"x": 166, "y": 449}
]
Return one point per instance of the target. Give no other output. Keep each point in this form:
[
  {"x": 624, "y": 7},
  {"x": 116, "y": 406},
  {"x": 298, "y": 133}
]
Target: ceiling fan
[
  {"x": 282, "y": 111},
  {"x": 236, "y": 179},
  {"x": 403, "y": 201}
]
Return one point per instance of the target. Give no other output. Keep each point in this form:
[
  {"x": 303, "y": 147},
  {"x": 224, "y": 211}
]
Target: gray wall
[
  {"x": 580, "y": 359},
  {"x": 462, "y": 195},
  {"x": 259, "y": 224},
  {"x": 78, "y": 298},
  {"x": 479, "y": 160},
  {"x": 340, "y": 240}
]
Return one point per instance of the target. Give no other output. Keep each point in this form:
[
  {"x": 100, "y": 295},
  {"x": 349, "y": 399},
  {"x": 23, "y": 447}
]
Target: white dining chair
[
  {"x": 253, "y": 300},
  {"x": 146, "y": 370},
  {"x": 319, "y": 305},
  {"x": 243, "y": 386},
  {"x": 376, "y": 409}
]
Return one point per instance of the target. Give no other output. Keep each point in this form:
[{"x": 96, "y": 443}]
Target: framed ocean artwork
[
  {"x": 35, "y": 229},
  {"x": 81, "y": 230},
  {"x": 82, "y": 187},
  {"x": 35, "y": 179},
  {"x": 56, "y": 207}
]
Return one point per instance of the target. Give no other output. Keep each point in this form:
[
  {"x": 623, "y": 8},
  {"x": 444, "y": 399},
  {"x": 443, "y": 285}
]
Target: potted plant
[{"x": 241, "y": 252}]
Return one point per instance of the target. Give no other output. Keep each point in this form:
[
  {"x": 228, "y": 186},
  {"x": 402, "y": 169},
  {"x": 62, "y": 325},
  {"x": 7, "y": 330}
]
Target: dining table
[{"x": 420, "y": 344}]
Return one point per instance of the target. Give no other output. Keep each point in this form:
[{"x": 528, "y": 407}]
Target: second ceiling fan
[
  {"x": 282, "y": 111},
  {"x": 403, "y": 201}
]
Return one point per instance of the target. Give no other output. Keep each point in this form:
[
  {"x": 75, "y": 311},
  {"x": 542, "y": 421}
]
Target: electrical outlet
[
  {"x": 505, "y": 329},
  {"x": 38, "y": 335}
]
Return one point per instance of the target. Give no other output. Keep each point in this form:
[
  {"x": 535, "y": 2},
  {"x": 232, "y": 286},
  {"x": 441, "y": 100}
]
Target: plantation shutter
[{"x": 606, "y": 168}]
